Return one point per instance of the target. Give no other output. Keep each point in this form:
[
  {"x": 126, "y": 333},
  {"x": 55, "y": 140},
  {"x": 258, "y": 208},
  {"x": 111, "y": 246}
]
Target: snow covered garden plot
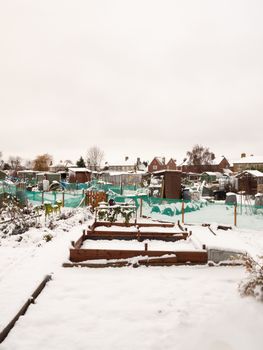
[
  {"x": 182, "y": 307},
  {"x": 104, "y": 245}
]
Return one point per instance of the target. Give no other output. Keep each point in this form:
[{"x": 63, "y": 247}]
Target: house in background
[
  {"x": 248, "y": 163},
  {"x": 219, "y": 164},
  {"x": 158, "y": 164},
  {"x": 126, "y": 165},
  {"x": 171, "y": 165}
]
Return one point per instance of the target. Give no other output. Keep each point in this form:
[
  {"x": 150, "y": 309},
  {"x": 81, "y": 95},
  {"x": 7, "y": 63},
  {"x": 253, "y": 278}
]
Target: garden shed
[
  {"x": 250, "y": 181},
  {"x": 171, "y": 183},
  {"x": 79, "y": 175}
]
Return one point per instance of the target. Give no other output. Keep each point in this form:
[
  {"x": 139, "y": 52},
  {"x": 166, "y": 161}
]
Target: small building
[
  {"x": 79, "y": 175},
  {"x": 171, "y": 183},
  {"x": 250, "y": 182}
]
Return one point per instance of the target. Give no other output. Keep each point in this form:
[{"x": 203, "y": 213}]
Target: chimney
[
  {"x": 126, "y": 158},
  {"x": 243, "y": 155},
  {"x": 163, "y": 159},
  {"x": 138, "y": 161}
]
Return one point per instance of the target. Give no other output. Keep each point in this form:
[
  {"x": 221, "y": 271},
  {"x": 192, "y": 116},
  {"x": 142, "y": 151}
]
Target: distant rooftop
[{"x": 250, "y": 159}]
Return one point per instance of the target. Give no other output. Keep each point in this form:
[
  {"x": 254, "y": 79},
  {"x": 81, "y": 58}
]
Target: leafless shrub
[{"x": 253, "y": 284}]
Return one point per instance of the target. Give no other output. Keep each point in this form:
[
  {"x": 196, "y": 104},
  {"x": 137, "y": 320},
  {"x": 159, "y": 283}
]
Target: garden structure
[{"x": 106, "y": 244}]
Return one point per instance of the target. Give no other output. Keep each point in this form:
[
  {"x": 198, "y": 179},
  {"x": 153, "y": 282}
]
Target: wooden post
[
  {"x": 182, "y": 212},
  {"x": 63, "y": 199},
  {"x": 42, "y": 197},
  {"x": 235, "y": 215},
  {"x": 146, "y": 246},
  {"x": 140, "y": 207}
]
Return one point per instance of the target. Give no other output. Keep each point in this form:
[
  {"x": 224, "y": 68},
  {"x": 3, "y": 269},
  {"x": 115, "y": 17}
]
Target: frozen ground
[
  {"x": 125, "y": 308},
  {"x": 156, "y": 308}
]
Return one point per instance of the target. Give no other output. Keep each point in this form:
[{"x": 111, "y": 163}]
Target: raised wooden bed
[
  {"x": 80, "y": 256},
  {"x": 139, "y": 233}
]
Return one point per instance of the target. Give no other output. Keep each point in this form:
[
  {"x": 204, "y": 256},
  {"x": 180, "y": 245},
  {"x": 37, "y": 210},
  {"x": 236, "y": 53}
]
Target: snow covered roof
[
  {"x": 160, "y": 160},
  {"x": 213, "y": 173},
  {"x": 255, "y": 173},
  {"x": 227, "y": 171},
  {"x": 80, "y": 170},
  {"x": 250, "y": 159},
  {"x": 218, "y": 160},
  {"x": 115, "y": 173},
  {"x": 27, "y": 171}
]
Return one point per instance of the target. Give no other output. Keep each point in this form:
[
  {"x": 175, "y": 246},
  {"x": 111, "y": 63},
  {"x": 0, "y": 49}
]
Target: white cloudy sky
[{"x": 137, "y": 78}]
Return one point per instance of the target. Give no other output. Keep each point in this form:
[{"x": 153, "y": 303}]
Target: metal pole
[
  {"x": 140, "y": 207},
  {"x": 235, "y": 215},
  {"x": 182, "y": 212}
]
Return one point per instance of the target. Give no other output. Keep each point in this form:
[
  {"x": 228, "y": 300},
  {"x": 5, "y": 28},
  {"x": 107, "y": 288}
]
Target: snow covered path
[
  {"x": 24, "y": 264},
  {"x": 145, "y": 308}
]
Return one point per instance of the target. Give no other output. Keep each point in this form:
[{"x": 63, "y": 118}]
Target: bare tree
[
  {"x": 15, "y": 162},
  {"x": 94, "y": 157},
  {"x": 200, "y": 155}
]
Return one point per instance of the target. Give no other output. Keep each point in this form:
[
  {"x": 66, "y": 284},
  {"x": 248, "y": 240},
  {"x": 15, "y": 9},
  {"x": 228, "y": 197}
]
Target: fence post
[
  {"x": 140, "y": 207},
  {"x": 63, "y": 199},
  {"x": 182, "y": 211},
  {"x": 42, "y": 197},
  {"x": 235, "y": 215}
]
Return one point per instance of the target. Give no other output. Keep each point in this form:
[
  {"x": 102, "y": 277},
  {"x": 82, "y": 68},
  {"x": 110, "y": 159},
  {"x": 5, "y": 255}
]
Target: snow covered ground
[
  {"x": 214, "y": 213},
  {"x": 179, "y": 307}
]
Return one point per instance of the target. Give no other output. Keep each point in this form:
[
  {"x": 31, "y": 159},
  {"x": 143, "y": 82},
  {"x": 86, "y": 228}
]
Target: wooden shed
[
  {"x": 250, "y": 181},
  {"x": 171, "y": 184},
  {"x": 79, "y": 175}
]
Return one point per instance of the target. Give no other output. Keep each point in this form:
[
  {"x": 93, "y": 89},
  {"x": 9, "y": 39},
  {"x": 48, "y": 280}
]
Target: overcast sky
[{"x": 137, "y": 78}]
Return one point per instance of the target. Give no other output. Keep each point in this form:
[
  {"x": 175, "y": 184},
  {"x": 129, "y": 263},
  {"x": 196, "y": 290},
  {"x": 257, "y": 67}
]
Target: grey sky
[{"x": 137, "y": 78}]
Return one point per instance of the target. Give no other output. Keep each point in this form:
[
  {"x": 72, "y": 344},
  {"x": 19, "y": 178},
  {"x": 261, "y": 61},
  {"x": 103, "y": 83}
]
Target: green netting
[
  {"x": 70, "y": 200},
  {"x": 73, "y": 201},
  {"x": 171, "y": 207}
]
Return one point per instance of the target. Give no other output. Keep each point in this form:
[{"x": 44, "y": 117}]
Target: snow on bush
[{"x": 253, "y": 284}]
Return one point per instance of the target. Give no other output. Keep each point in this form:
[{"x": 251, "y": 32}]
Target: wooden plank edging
[{"x": 4, "y": 333}]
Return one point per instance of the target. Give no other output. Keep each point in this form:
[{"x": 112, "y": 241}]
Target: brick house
[
  {"x": 218, "y": 165},
  {"x": 157, "y": 164},
  {"x": 171, "y": 165},
  {"x": 248, "y": 163}
]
